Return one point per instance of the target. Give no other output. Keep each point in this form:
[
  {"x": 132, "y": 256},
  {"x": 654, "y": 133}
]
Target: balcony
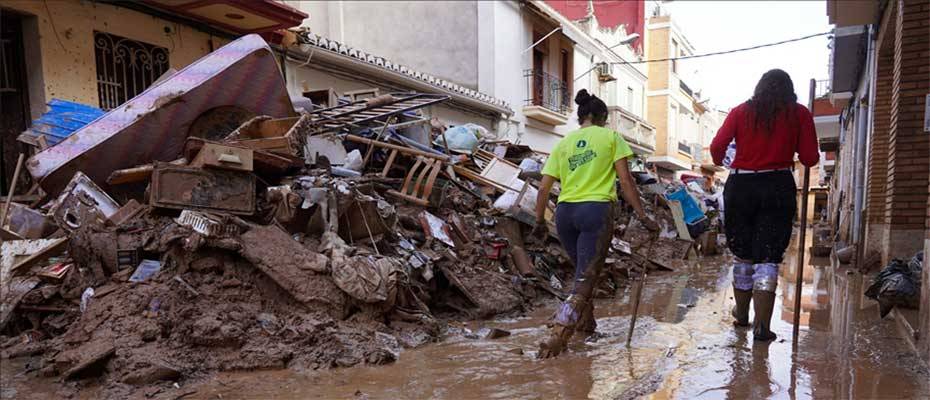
[
  {"x": 822, "y": 88},
  {"x": 547, "y": 98},
  {"x": 685, "y": 88},
  {"x": 638, "y": 133}
]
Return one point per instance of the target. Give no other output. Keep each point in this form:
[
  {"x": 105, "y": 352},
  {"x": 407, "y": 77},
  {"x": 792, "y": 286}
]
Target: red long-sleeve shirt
[{"x": 760, "y": 150}]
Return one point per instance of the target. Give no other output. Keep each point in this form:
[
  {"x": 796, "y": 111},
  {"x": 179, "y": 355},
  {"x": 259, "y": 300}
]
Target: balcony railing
[
  {"x": 547, "y": 91},
  {"x": 822, "y": 88},
  {"x": 684, "y": 88},
  {"x": 634, "y": 129}
]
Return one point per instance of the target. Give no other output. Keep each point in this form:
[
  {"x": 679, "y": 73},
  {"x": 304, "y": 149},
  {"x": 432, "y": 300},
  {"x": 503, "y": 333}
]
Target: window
[
  {"x": 673, "y": 55},
  {"x": 629, "y": 99},
  {"x": 125, "y": 67}
]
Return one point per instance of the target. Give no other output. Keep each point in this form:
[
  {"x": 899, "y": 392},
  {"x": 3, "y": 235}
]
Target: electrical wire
[
  {"x": 716, "y": 53},
  {"x": 54, "y": 29}
]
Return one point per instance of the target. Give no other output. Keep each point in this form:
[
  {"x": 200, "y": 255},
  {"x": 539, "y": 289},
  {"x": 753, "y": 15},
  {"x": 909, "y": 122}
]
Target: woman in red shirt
[{"x": 760, "y": 193}]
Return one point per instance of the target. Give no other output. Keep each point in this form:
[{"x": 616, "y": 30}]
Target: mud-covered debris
[
  {"x": 496, "y": 333},
  {"x": 85, "y": 360}
]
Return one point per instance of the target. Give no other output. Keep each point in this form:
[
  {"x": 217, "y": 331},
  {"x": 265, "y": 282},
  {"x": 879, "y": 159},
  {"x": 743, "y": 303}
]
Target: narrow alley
[{"x": 464, "y": 199}]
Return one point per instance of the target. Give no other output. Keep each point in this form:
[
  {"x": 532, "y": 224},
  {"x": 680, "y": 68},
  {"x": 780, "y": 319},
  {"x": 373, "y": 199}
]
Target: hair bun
[{"x": 582, "y": 97}]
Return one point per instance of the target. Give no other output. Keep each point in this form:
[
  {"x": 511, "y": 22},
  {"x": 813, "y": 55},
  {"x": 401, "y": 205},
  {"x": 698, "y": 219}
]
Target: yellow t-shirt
[{"x": 583, "y": 161}]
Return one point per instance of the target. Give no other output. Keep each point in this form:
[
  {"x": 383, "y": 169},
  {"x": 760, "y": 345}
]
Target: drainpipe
[{"x": 864, "y": 123}]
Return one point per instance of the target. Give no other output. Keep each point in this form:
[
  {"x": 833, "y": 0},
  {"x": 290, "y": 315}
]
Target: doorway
[{"x": 14, "y": 98}]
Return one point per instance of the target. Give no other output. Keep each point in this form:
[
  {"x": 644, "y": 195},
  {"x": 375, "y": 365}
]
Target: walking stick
[
  {"x": 637, "y": 294},
  {"x": 803, "y": 236}
]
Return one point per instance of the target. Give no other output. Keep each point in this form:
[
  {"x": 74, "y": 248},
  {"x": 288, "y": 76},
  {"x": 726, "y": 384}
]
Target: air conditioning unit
[{"x": 605, "y": 72}]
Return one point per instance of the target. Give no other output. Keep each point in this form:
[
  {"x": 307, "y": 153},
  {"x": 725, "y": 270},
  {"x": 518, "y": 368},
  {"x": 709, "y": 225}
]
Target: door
[{"x": 14, "y": 104}]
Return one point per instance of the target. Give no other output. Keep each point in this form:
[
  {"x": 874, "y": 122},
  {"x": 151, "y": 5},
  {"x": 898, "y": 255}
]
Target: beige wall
[
  {"x": 657, "y": 115},
  {"x": 69, "y": 66},
  {"x": 657, "y": 48}
]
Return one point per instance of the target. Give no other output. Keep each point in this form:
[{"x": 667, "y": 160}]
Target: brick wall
[
  {"x": 909, "y": 146},
  {"x": 878, "y": 145}
]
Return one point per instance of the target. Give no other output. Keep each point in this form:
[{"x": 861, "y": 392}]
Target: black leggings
[
  {"x": 759, "y": 214},
  {"x": 585, "y": 230}
]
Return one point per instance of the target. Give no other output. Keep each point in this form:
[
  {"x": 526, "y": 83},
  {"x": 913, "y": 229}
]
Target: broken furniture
[
  {"x": 183, "y": 187},
  {"x": 418, "y": 185},
  {"x": 153, "y": 126}
]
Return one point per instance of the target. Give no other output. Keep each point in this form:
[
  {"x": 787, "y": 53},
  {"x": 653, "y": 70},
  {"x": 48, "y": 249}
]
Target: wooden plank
[
  {"x": 130, "y": 175},
  {"x": 272, "y": 143},
  {"x": 389, "y": 163},
  {"x": 402, "y": 149}
]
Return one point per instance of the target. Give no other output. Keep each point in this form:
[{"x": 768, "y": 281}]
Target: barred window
[{"x": 125, "y": 67}]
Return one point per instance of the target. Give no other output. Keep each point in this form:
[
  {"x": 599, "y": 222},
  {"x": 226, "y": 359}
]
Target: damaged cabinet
[{"x": 181, "y": 187}]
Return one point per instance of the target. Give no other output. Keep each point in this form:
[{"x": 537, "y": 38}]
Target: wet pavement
[{"x": 684, "y": 347}]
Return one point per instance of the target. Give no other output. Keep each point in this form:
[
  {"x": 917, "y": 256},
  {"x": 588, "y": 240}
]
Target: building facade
[
  {"x": 102, "y": 54},
  {"x": 880, "y": 78},
  {"x": 529, "y": 54},
  {"x": 684, "y": 123}
]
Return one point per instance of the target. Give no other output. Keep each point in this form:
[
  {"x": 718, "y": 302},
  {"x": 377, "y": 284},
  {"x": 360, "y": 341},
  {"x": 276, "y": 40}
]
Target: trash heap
[
  {"x": 898, "y": 284},
  {"x": 328, "y": 237}
]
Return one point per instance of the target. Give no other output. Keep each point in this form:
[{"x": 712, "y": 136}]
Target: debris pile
[
  {"x": 898, "y": 284},
  {"x": 328, "y": 238}
]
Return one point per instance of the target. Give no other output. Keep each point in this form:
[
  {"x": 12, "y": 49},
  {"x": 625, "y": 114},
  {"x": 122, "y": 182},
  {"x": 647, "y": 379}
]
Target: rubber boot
[
  {"x": 740, "y": 311},
  {"x": 588, "y": 324},
  {"x": 763, "y": 303},
  {"x": 559, "y": 335},
  {"x": 567, "y": 318}
]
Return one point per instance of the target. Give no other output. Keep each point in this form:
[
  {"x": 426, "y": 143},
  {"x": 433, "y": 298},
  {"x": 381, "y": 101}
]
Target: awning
[
  {"x": 671, "y": 163},
  {"x": 852, "y": 12},
  {"x": 235, "y": 16},
  {"x": 846, "y": 59}
]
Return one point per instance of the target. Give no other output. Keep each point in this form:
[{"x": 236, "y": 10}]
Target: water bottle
[{"x": 731, "y": 155}]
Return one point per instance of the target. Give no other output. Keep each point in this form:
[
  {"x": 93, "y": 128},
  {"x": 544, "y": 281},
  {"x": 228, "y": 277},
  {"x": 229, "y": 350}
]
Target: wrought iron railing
[
  {"x": 125, "y": 67},
  {"x": 822, "y": 88},
  {"x": 547, "y": 91}
]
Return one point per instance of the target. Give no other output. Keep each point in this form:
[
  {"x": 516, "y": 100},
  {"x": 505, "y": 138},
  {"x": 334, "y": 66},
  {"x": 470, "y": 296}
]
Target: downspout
[{"x": 866, "y": 112}]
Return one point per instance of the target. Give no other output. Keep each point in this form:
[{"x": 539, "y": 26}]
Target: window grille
[{"x": 125, "y": 67}]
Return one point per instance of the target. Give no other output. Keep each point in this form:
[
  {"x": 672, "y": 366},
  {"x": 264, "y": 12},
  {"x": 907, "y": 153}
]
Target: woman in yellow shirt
[{"x": 587, "y": 163}]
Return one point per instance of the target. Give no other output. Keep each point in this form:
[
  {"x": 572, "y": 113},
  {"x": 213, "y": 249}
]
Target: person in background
[
  {"x": 587, "y": 162},
  {"x": 760, "y": 193}
]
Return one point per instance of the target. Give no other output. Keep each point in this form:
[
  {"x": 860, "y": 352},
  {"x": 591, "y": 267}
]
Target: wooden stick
[
  {"x": 9, "y": 194},
  {"x": 402, "y": 149},
  {"x": 805, "y": 188}
]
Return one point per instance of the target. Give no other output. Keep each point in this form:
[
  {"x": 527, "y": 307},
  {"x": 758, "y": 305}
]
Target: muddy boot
[
  {"x": 588, "y": 324},
  {"x": 763, "y": 303},
  {"x": 565, "y": 322},
  {"x": 559, "y": 335},
  {"x": 740, "y": 311}
]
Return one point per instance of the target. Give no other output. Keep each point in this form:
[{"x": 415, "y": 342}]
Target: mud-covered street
[{"x": 684, "y": 347}]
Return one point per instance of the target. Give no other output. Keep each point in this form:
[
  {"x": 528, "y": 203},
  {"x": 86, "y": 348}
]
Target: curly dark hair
[{"x": 773, "y": 94}]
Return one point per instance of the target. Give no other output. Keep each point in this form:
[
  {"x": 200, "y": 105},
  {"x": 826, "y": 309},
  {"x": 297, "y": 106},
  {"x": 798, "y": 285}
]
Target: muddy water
[{"x": 684, "y": 347}]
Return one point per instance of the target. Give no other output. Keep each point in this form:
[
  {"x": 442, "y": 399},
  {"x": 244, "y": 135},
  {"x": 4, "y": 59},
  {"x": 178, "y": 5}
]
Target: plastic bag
[
  {"x": 353, "y": 160},
  {"x": 462, "y": 138}
]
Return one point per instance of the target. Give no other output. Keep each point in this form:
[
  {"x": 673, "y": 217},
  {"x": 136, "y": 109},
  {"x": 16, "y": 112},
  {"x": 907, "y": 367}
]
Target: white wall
[{"x": 439, "y": 37}]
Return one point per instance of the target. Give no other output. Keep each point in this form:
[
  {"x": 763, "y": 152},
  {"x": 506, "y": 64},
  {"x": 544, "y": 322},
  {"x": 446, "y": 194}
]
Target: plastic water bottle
[{"x": 731, "y": 155}]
